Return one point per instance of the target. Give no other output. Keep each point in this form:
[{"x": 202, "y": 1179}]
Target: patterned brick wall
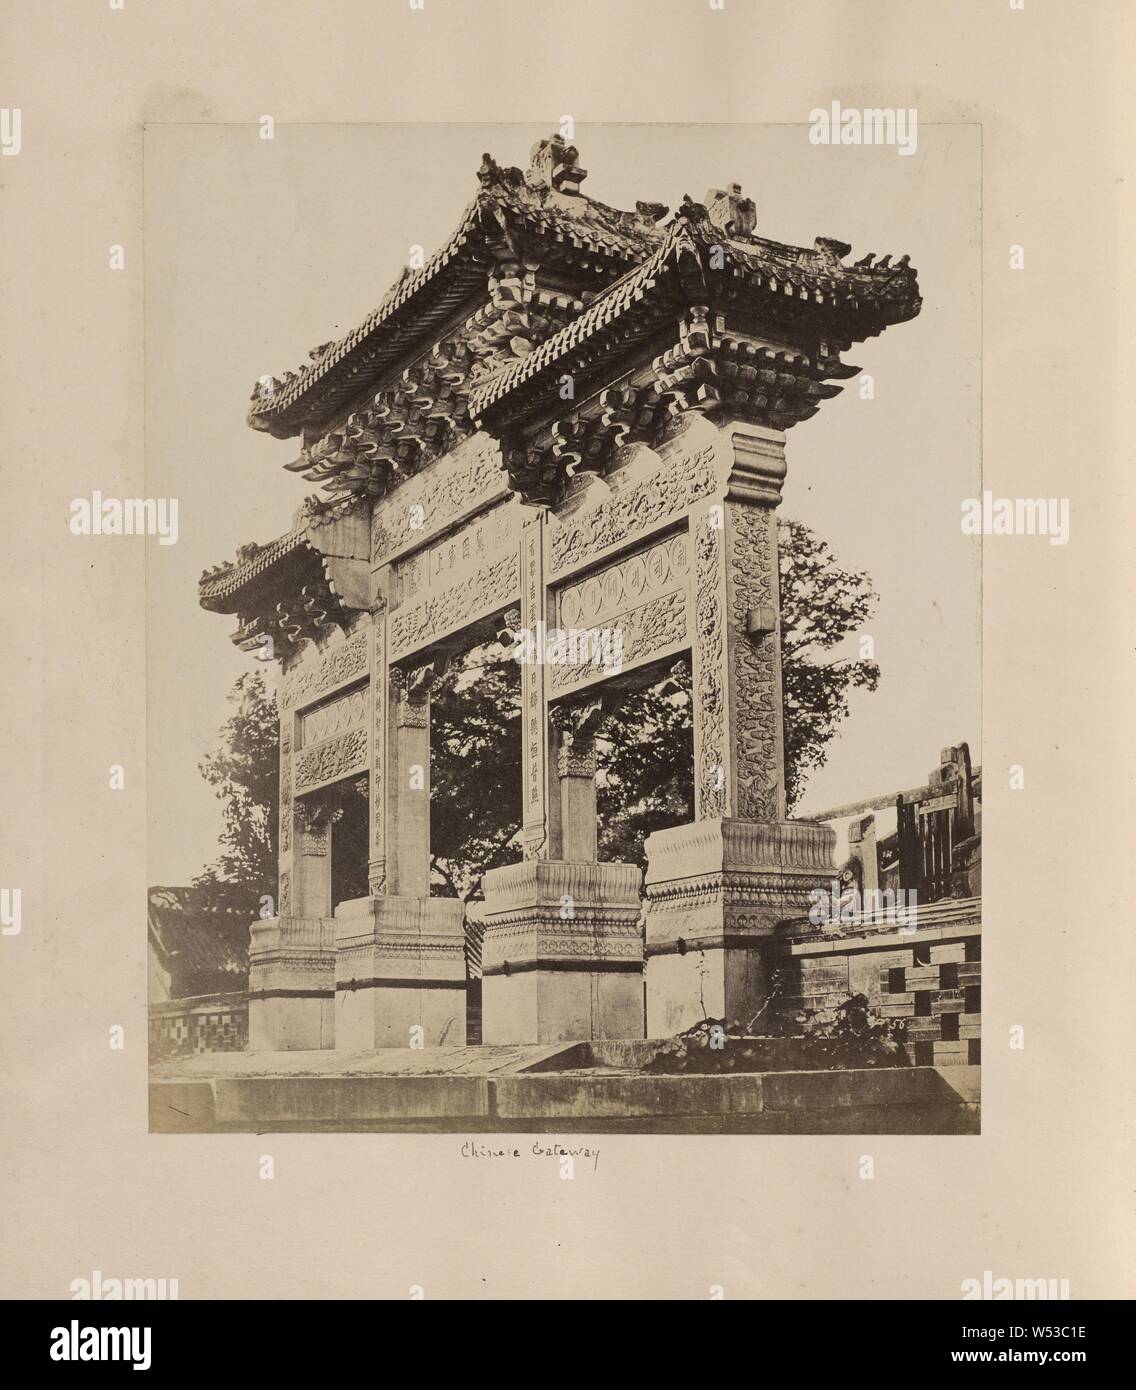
[
  {"x": 190, "y": 1027},
  {"x": 940, "y": 996},
  {"x": 930, "y": 978}
]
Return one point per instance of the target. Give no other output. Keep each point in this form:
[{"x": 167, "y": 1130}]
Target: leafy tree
[
  {"x": 645, "y": 780},
  {"x": 245, "y": 770},
  {"x": 821, "y": 604},
  {"x": 475, "y": 769}
]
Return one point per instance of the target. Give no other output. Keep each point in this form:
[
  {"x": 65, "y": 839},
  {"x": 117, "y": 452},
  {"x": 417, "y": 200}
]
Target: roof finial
[
  {"x": 553, "y": 163},
  {"x": 729, "y": 211}
]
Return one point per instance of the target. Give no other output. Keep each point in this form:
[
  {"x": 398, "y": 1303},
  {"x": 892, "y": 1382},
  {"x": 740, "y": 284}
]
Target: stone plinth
[
  {"x": 715, "y": 891},
  {"x": 563, "y": 952},
  {"x": 399, "y": 967},
  {"x": 292, "y": 984}
]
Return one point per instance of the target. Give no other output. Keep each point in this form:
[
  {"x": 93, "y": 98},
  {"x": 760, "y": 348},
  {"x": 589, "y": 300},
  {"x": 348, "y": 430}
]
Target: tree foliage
[
  {"x": 244, "y": 769},
  {"x": 475, "y": 769},
  {"x": 821, "y": 605}
]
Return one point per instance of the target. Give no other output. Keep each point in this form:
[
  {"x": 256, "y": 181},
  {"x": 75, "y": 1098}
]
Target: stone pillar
[
  {"x": 535, "y": 732},
  {"x": 399, "y": 954},
  {"x": 408, "y": 845},
  {"x": 399, "y": 973},
  {"x": 292, "y": 956},
  {"x": 573, "y": 833},
  {"x": 313, "y": 862},
  {"x": 286, "y": 823},
  {"x": 716, "y": 888},
  {"x": 862, "y": 848},
  {"x": 576, "y": 773},
  {"x": 378, "y": 781},
  {"x": 563, "y": 952}
]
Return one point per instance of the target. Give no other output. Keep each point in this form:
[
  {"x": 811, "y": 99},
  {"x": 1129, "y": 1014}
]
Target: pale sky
[{"x": 257, "y": 251}]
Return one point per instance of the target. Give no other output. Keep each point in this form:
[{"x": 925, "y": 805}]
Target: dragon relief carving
[
  {"x": 674, "y": 487},
  {"x": 709, "y": 695},
  {"x": 331, "y": 668},
  {"x": 753, "y": 562},
  {"x": 439, "y": 613},
  {"x": 436, "y": 499},
  {"x": 331, "y": 760}
]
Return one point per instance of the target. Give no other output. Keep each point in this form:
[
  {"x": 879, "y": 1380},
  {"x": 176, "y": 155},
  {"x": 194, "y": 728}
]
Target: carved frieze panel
[
  {"x": 598, "y": 596},
  {"x": 681, "y": 481},
  {"x": 632, "y": 611},
  {"x": 438, "y": 498},
  {"x": 447, "y": 610},
  {"x": 439, "y": 565},
  {"x": 333, "y": 717},
  {"x": 331, "y": 760},
  {"x": 319, "y": 671}
]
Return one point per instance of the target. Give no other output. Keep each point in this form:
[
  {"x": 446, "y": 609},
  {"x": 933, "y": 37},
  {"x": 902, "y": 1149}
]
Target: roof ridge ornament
[
  {"x": 730, "y": 212},
  {"x": 554, "y": 164}
]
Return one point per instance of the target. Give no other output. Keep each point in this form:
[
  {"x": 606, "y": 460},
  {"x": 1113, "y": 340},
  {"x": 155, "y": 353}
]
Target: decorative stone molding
[
  {"x": 292, "y": 953},
  {"x": 714, "y": 881},
  {"x": 545, "y": 910},
  {"x": 380, "y": 938}
]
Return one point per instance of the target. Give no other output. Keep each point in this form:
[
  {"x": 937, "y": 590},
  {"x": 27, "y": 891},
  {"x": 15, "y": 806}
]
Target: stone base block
[
  {"x": 562, "y": 957},
  {"x": 400, "y": 978},
  {"x": 292, "y": 984},
  {"x": 715, "y": 893}
]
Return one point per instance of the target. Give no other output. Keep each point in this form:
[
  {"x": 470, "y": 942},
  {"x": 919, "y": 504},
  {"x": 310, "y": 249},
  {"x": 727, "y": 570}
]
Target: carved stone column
[
  {"x": 535, "y": 732},
  {"x": 563, "y": 951},
  {"x": 573, "y": 829},
  {"x": 408, "y": 845},
  {"x": 292, "y": 956},
  {"x": 286, "y": 823},
  {"x": 378, "y": 783},
  {"x": 717, "y": 888},
  {"x": 313, "y": 861},
  {"x": 399, "y": 957}
]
